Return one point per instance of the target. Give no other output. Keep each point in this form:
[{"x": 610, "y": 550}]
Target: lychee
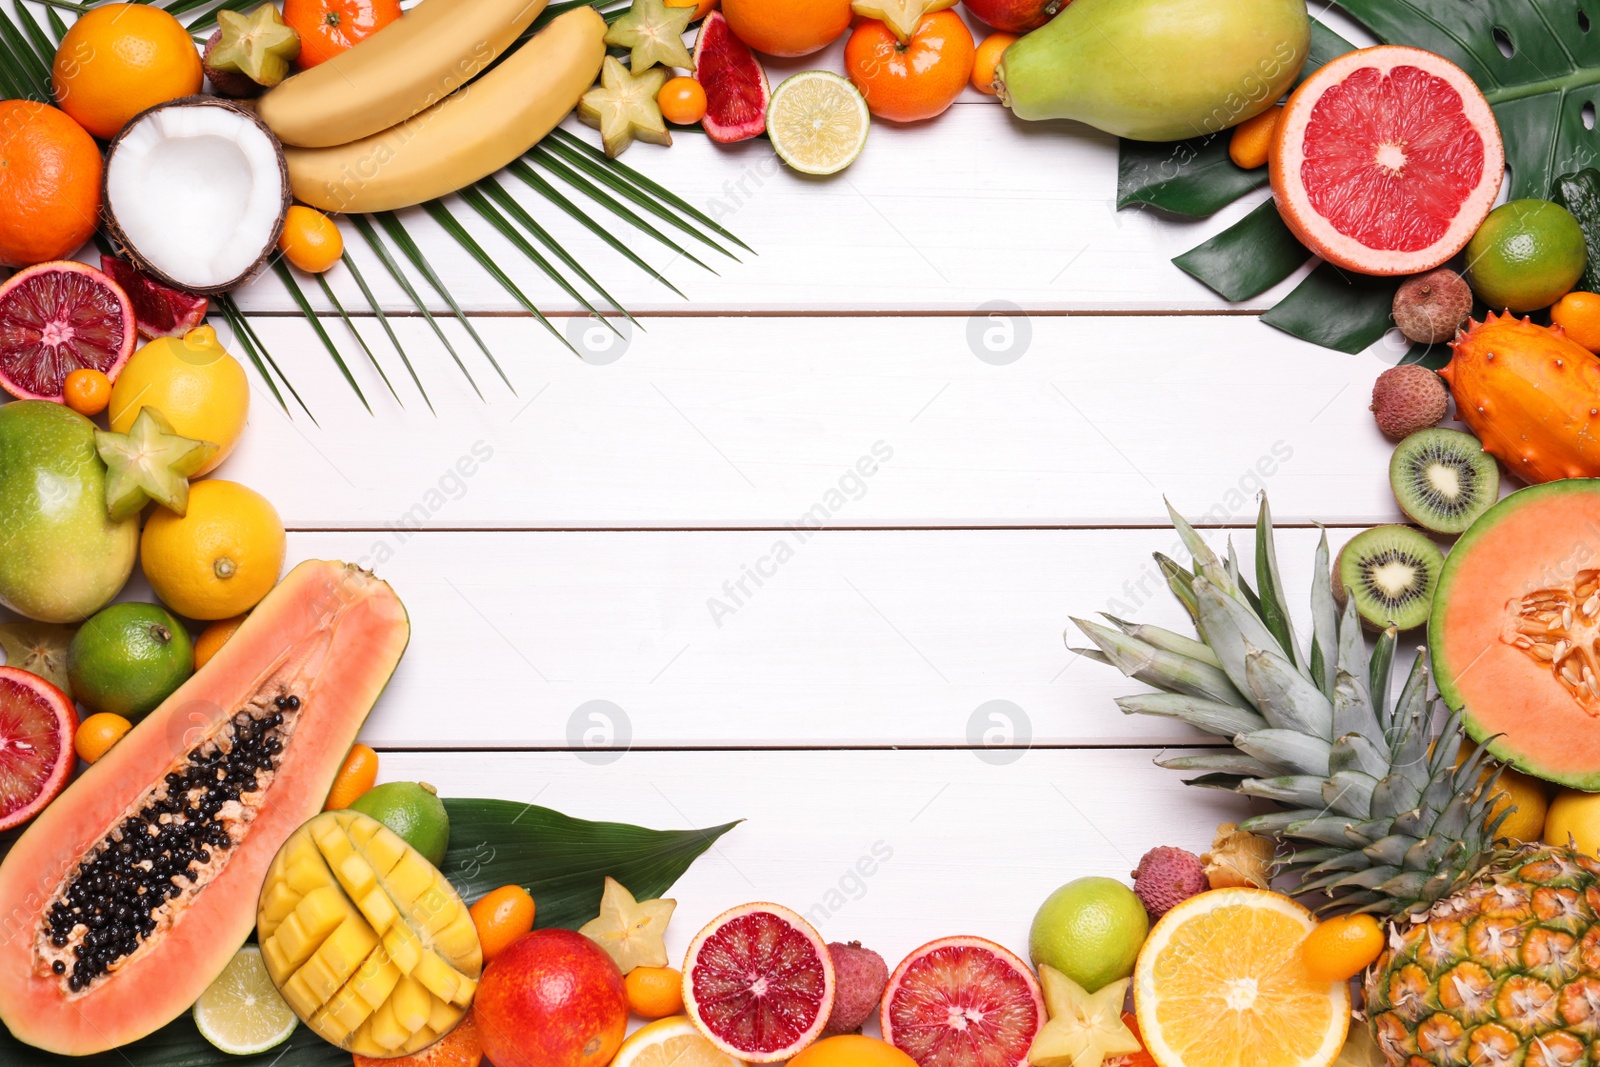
[
  {"x": 1430, "y": 307},
  {"x": 1407, "y": 399},
  {"x": 859, "y": 977},
  {"x": 1166, "y": 877}
]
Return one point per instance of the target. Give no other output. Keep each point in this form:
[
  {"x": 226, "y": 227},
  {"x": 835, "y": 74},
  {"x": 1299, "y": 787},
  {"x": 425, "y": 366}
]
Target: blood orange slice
[
  {"x": 962, "y": 1002},
  {"x": 758, "y": 982},
  {"x": 1386, "y": 160},
  {"x": 56, "y": 318},
  {"x": 37, "y": 722},
  {"x": 737, "y": 93}
]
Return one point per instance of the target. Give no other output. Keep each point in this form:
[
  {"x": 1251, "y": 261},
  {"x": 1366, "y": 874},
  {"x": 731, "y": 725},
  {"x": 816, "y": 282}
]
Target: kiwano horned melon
[
  {"x": 129, "y": 894},
  {"x": 1531, "y": 395},
  {"x": 1515, "y": 632},
  {"x": 367, "y": 941}
]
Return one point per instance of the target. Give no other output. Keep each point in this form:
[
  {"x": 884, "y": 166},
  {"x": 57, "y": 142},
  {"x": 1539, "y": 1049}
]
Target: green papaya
[{"x": 1157, "y": 70}]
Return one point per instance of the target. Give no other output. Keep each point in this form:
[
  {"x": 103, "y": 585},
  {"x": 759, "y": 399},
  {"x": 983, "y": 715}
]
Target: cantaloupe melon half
[
  {"x": 1515, "y": 631},
  {"x": 272, "y": 714}
]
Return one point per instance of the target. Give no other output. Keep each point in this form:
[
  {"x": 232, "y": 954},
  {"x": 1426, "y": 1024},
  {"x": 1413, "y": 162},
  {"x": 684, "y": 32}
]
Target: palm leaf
[
  {"x": 377, "y": 310},
  {"x": 1538, "y": 65},
  {"x": 299, "y": 297},
  {"x": 622, "y": 211},
  {"x": 327, "y": 291}
]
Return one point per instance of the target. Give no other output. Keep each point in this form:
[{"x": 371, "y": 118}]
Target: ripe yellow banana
[
  {"x": 411, "y": 65},
  {"x": 467, "y": 136}
]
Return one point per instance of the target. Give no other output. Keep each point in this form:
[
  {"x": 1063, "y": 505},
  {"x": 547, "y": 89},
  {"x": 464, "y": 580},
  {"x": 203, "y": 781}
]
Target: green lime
[
  {"x": 242, "y": 1012},
  {"x": 1090, "y": 930},
  {"x": 818, "y": 122},
  {"x": 128, "y": 659},
  {"x": 1527, "y": 255},
  {"x": 414, "y": 811}
]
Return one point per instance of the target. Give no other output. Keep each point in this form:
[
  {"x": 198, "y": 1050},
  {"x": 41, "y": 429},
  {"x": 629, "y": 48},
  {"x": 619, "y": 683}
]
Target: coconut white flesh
[{"x": 197, "y": 191}]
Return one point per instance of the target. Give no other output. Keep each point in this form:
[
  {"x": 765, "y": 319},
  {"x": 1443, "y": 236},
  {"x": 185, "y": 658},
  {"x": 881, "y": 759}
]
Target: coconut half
[{"x": 195, "y": 193}]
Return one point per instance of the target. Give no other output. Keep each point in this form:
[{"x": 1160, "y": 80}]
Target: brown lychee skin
[
  {"x": 860, "y": 976},
  {"x": 1407, "y": 399},
  {"x": 1431, "y": 307},
  {"x": 1166, "y": 877}
]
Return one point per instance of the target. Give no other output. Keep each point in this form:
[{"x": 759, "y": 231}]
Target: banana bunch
[{"x": 403, "y": 117}]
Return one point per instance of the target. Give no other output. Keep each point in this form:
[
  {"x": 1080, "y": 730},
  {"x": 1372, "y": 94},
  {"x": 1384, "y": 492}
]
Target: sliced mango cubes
[{"x": 366, "y": 940}]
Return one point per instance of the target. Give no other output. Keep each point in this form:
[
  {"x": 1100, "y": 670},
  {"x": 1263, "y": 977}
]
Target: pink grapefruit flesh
[
  {"x": 962, "y": 1002},
  {"x": 736, "y": 86},
  {"x": 56, "y": 318},
  {"x": 1386, "y": 161},
  {"x": 37, "y": 722},
  {"x": 759, "y": 983}
]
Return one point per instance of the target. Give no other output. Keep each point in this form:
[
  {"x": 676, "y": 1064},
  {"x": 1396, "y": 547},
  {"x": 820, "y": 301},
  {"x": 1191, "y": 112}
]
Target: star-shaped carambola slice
[
  {"x": 901, "y": 16},
  {"x": 623, "y": 107},
  {"x": 258, "y": 45},
  {"x": 655, "y": 33},
  {"x": 149, "y": 462},
  {"x": 630, "y": 931},
  {"x": 1085, "y": 1029}
]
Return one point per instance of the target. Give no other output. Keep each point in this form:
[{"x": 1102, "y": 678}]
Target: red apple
[
  {"x": 551, "y": 999},
  {"x": 1016, "y": 16}
]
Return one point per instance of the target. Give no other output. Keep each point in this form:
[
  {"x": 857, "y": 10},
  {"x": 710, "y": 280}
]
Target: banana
[
  {"x": 470, "y": 134},
  {"x": 411, "y": 65}
]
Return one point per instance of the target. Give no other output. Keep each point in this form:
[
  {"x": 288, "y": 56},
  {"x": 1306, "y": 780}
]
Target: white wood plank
[
  {"x": 756, "y": 421},
  {"x": 852, "y": 638},
  {"x": 962, "y": 847}
]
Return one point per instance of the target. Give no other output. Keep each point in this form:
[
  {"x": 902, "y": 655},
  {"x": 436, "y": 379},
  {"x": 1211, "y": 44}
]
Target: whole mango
[{"x": 1157, "y": 70}]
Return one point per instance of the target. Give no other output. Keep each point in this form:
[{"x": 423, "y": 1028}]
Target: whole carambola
[
  {"x": 1531, "y": 395},
  {"x": 1157, "y": 70}
]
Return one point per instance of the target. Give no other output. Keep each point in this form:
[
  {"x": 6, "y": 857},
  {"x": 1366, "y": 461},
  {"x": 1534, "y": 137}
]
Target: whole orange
[
  {"x": 49, "y": 184},
  {"x": 916, "y": 80},
  {"x": 702, "y": 8},
  {"x": 1578, "y": 313},
  {"x": 117, "y": 60},
  {"x": 787, "y": 27}
]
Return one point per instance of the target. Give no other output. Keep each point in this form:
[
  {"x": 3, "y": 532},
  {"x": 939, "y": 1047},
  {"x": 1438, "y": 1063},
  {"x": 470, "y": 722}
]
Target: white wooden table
[{"x": 620, "y": 609}]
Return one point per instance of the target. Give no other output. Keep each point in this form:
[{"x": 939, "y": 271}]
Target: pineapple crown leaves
[{"x": 1376, "y": 815}]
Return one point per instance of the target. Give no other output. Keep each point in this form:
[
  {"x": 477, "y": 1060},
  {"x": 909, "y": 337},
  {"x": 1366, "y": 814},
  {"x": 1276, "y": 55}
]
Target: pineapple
[{"x": 1493, "y": 953}]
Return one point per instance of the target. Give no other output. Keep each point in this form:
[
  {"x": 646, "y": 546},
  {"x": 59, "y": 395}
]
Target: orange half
[{"x": 1220, "y": 983}]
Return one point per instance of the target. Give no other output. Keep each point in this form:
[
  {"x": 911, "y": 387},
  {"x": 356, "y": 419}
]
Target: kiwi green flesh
[
  {"x": 1391, "y": 572},
  {"x": 1443, "y": 479}
]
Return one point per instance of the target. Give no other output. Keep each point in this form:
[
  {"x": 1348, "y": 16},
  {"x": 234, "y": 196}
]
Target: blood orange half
[
  {"x": 758, "y": 982},
  {"x": 37, "y": 722},
  {"x": 1386, "y": 160},
  {"x": 962, "y": 1002},
  {"x": 59, "y": 317}
]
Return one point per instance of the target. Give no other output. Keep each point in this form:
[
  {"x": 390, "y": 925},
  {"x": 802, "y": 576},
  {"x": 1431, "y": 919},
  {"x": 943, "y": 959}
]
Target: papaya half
[{"x": 130, "y": 893}]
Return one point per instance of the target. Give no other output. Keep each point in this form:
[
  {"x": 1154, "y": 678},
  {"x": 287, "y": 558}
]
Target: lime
[
  {"x": 241, "y": 1012},
  {"x": 414, "y": 811},
  {"x": 1526, "y": 256},
  {"x": 818, "y": 122},
  {"x": 128, "y": 659},
  {"x": 1090, "y": 930}
]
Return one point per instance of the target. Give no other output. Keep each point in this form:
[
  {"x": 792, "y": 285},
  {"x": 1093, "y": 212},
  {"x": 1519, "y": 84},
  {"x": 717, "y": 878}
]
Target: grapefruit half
[{"x": 1386, "y": 161}]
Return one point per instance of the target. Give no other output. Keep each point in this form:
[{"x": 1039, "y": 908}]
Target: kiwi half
[
  {"x": 1391, "y": 572},
  {"x": 1443, "y": 479}
]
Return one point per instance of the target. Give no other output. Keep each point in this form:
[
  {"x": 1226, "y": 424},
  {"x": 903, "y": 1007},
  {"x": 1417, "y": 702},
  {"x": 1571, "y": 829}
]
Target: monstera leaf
[{"x": 1537, "y": 62}]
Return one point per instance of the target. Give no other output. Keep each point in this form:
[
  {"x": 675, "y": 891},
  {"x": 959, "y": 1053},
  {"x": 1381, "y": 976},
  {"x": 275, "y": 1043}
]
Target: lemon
[
  {"x": 671, "y": 1042},
  {"x": 241, "y": 1013},
  {"x": 1576, "y": 816},
  {"x": 1527, "y": 255},
  {"x": 1090, "y": 930},
  {"x": 202, "y": 391},
  {"x": 818, "y": 122},
  {"x": 218, "y": 560},
  {"x": 1529, "y": 795}
]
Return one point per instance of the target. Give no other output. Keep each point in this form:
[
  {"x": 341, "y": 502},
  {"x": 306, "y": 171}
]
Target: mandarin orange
[{"x": 916, "y": 80}]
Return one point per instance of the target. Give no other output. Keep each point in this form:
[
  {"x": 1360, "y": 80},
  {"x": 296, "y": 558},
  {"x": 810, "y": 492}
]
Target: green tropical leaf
[
  {"x": 1247, "y": 258},
  {"x": 562, "y": 861},
  {"x": 1336, "y": 309},
  {"x": 299, "y": 297},
  {"x": 388, "y": 328},
  {"x": 333, "y": 299}
]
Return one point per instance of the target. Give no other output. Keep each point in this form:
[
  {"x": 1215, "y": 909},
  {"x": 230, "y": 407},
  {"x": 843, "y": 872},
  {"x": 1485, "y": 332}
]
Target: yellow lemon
[
  {"x": 218, "y": 560},
  {"x": 191, "y": 380},
  {"x": 1576, "y": 816},
  {"x": 1529, "y": 795}
]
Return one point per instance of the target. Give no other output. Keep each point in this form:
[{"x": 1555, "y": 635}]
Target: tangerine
[
  {"x": 213, "y": 637},
  {"x": 310, "y": 240},
  {"x": 987, "y": 59},
  {"x": 683, "y": 101},
  {"x": 87, "y": 391},
  {"x": 787, "y": 27},
  {"x": 1579, "y": 315},
  {"x": 98, "y": 733},
  {"x": 119, "y": 59},
  {"x": 330, "y": 27},
  {"x": 355, "y": 777},
  {"x": 654, "y": 992},
  {"x": 502, "y": 916},
  {"x": 49, "y": 184},
  {"x": 1341, "y": 948},
  {"x": 916, "y": 80}
]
